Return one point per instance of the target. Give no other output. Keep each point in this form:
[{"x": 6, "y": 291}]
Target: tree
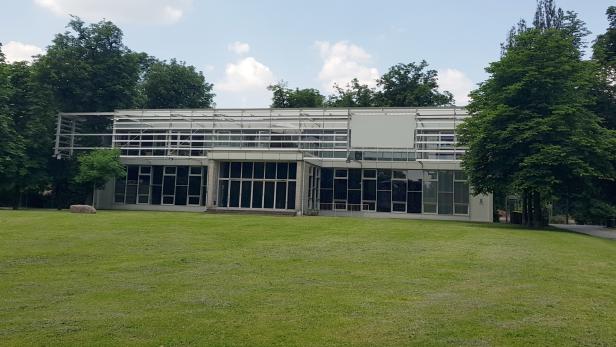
[
  {"x": 33, "y": 118},
  {"x": 90, "y": 69},
  {"x": 283, "y": 97},
  {"x": 99, "y": 166},
  {"x": 604, "y": 54},
  {"x": 176, "y": 85},
  {"x": 11, "y": 145},
  {"x": 353, "y": 95},
  {"x": 532, "y": 131},
  {"x": 411, "y": 85}
]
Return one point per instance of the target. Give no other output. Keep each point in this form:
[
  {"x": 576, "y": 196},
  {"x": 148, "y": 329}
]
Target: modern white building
[{"x": 381, "y": 162}]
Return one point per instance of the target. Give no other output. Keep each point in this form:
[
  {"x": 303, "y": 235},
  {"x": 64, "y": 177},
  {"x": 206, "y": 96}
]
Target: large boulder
[{"x": 82, "y": 209}]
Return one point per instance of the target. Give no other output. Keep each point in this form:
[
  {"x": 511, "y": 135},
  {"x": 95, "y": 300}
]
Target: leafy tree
[
  {"x": 411, "y": 85},
  {"x": 33, "y": 118},
  {"x": 532, "y": 131},
  {"x": 11, "y": 145},
  {"x": 604, "y": 54},
  {"x": 283, "y": 97},
  {"x": 90, "y": 69},
  {"x": 97, "y": 167},
  {"x": 353, "y": 95},
  {"x": 176, "y": 85}
]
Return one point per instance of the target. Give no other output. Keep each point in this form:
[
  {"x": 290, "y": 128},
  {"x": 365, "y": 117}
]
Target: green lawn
[{"x": 148, "y": 278}]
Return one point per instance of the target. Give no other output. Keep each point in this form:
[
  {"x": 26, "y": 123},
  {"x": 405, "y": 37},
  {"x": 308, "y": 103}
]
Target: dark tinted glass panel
[
  {"x": 257, "y": 195},
  {"x": 327, "y": 196},
  {"x": 398, "y": 190},
  {"x": 327, "y": 178},
  {"x": 194, "y": 185},
  {"x": 182, "y": 178},
  {"x": 268, "y": 198},
  {"x": 156, "y": 193},
  {"x": 168, "y": 200},
  {"x": 282, "y": 171},
  {"x": 384, "y": 179},
  {"x": 445, "y": 181},
  {"x": 414, "y": 186},
  {"x": 292, "y": 171},
  {"x": 413, "y": 202},
  {"x": 340, "y": 189},
  {"x": 170, "y": 170},
  {"x": 461, "y": 209},
  {"x": 195, "y": 170},
  {"x": 383, "y": 203},
  {"x": 223, "y": 188},
  {"x": 246, "y": 170},
  {"x": 270, "y": 170},
  {"x": 132, "y": 174},
  {"x": 369, "y": 173},
  {"x": 445, "y": 203},
  {"x": 144, "y": 185},
  {"x": 157, "y": 177},
  {"x": 354, "y": 197},
  {"x": 131, "y": 194},
  {"x": 193, "y": 200},
  {"x": 224, "y": 170},
  {"x": 354, "y": 178},
  {"x": 400, "y": 174},
  {"x": 234, "y": 194},
  {"x": 236, "y": 169},
  {"x": 169, "y": 185},
  {"x": 281, "y": 195},
  {"x": 461, "y": 192},
  {"x": 120, "y": 186},
  {"x": 369, "y": 192},
  {"x": 246, "y": 188},
  {"x": 399, "y": 207},
  {"x": 180, "y": 195},
  {"x": 291, "y": 196},
  {"x": 259, "y": 169},
  {"x": 341, "y": 173}
]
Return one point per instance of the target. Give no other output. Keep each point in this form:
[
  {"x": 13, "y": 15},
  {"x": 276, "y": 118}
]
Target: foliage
[
  {"x": 176, "y": 85},
  {"x": 283, "y": 97},
  {"x": 532, "y": 131},
  {"x": 411, "y": 85},
  {"x": 99, "y": 166},
  {"x": 604, "y": 54},
  {"x": 353, "y": 95}
]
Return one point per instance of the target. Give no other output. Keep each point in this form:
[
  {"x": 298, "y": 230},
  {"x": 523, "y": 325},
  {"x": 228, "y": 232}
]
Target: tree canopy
[
  {"x": 533, "y": 130},
  {"x": 284, "y": 97}
]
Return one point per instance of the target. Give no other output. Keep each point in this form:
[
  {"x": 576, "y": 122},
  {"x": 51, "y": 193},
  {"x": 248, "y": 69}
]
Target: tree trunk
[
  {"x": 16, "y": 198},
  {"x": 93, "y": 195},
  {"x": 537, "y": 215},
  {"x": 524, "y": 209}
]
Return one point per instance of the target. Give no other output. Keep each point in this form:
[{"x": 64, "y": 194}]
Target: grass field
[{"x": 148, "y": 278}]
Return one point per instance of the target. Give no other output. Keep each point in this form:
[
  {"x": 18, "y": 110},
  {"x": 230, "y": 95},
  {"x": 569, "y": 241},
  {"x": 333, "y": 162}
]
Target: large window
[
  {"x": 162, "y": 185},
  {"x": 396, "y": 191},
  {"x": 257, "y": 185}
]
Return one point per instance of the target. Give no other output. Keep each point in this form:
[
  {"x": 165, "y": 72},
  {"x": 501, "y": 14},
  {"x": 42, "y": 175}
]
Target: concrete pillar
[
  {"x": 212, "y": 184},
  {"x": 299, "y": 187}
]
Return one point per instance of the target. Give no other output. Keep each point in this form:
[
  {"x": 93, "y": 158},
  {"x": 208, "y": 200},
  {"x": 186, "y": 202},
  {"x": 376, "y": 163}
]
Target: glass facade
[
  {"x": 395, "y": 191},
  {"x": 257, "y": 185},
  {"x": 162, "y": 185}
]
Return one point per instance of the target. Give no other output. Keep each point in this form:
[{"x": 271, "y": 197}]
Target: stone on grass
[{"x": 82, "y": 209}]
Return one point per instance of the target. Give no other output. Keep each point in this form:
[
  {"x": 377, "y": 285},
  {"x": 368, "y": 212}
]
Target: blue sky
[{"x": 242, "y": 46}]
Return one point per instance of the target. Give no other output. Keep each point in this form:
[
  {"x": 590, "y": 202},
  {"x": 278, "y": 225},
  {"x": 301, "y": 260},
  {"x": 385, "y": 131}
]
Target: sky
[{"x": 244, "y": 46}]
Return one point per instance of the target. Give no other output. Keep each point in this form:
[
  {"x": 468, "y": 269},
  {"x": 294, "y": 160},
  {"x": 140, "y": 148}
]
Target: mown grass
[{"x": 148, "y": 278}]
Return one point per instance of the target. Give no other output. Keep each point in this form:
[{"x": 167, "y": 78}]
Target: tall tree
[
  {"x": 90, "y": 69},
  {"x": 353, "y": 95},
  {"x": 532, "y": 131},
  {"x": 176, "y": 85},
  {"x": 412, "y": 85},
  {"x": 284, "y": 97},
  {"x": 99, "y": 166},
  {"x": 604, "y": 54},
  {"x": 33, "y": 117}
]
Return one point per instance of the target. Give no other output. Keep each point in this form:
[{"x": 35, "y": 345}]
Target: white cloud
[
  {"x": 343, "y": 61},
  {"x": 18, "y": 51},
  {"x": 457, "y": 83},
  {"x": 238, "y": 47},
  {"x": 141, "y": 11},
  {"x": 246, "y": 74}
]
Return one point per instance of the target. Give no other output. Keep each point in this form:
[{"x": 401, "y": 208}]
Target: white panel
[{"x": 383, "y": 130}]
